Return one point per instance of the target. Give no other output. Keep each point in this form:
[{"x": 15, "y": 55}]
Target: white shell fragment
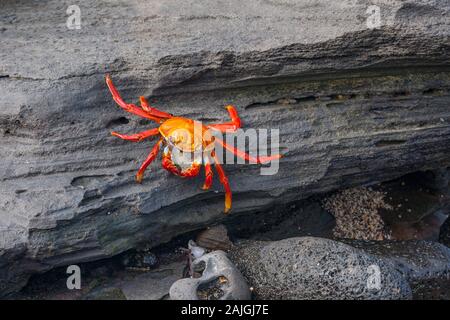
[
  {"x": 218, "y": 269},
  {"x": 196, "y": 251}
]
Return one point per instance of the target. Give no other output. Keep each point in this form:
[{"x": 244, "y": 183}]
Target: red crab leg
[
  {"x": 208, "y": 174},
  {"x": 151, "y": 156},
  {"x": 228, "y": 126},
  {"x": 132, "y": 108},
  {"x": 170, "y": 166},
  {"x": 246, "y": 156},
  {"x": 146, "y": 106},
  {"x": 137, "y": 136},
  {"x": 224, "y": 180}
]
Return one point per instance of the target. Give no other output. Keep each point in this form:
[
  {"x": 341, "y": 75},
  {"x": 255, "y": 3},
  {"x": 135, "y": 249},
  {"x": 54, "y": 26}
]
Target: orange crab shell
[{"x": 187, "y": 135}]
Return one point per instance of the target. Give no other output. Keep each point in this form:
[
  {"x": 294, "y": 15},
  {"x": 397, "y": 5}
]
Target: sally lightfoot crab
[{"x": 188, "y": 144}]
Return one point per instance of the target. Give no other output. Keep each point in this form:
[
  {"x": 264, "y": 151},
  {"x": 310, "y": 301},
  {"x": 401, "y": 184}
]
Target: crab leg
[
  {"x": 208, "y": 174},
  {"x": 146, "y": 106},
  {"x": 132, "y": 108},
  {"x": 243, "y": 155},
  {"x": 151, "y": 156},
  {"x": 137, "y": 136},
  {"x": 170, "y": 166},
  {"x": 228, "y": 126},
  {"x": 224, "y": 180}
]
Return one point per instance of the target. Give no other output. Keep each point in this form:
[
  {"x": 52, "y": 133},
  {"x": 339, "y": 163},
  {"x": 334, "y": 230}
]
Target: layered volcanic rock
[{"x": 353, "y": 105}]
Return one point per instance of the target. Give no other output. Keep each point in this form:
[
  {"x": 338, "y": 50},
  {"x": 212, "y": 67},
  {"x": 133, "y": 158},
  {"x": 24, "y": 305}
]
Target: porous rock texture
[
  {"x": 353, "y": 105},
  {"x": 425, "y": 264},
  {"x": 317, "y": 268}
]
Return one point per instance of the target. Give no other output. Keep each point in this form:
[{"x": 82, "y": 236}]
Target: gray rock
[
  {"x": 425, "y": 264},
  {"x": 214, "y": 238},
  {"x": 353, "y": 105},
  {"x": 416, "y": 259},
  {"x": 219, "y": 280},
  {"x": 153, "y": 285},
  {"x": 420, "y": 268},
  {"x": 316, "y": 268}
]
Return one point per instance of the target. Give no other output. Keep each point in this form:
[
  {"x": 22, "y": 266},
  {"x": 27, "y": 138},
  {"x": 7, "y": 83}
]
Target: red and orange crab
[{"x": 188, "y": 144}]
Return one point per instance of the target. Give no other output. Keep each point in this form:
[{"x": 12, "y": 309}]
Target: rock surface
[
  {"x": 214, "y": 238},
  {"x": 425, "y": 264},
  {"x": 105, "y": 280},
  {"x": 152, "y": 285},
  {"x": 353, "y": 105},
  {"x": 316, "y": 268}
]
